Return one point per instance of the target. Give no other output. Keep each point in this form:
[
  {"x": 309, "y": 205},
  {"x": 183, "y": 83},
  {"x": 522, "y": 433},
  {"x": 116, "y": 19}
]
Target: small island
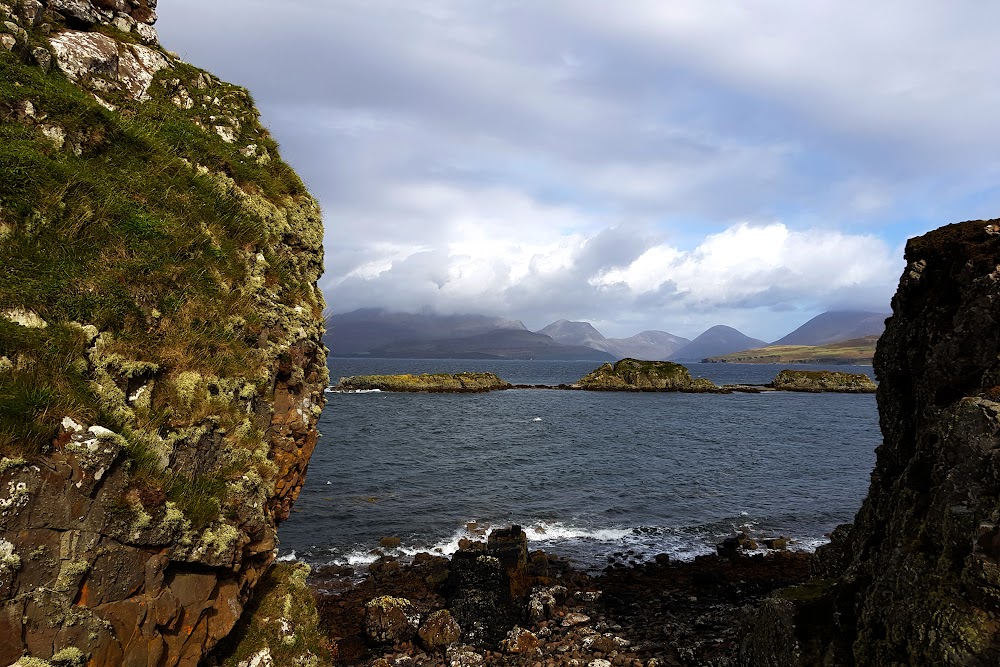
[
  {"x": 636, "y": 375},
  {"x": 824, "y": 381},
  {"x": 442, "y": 383}
]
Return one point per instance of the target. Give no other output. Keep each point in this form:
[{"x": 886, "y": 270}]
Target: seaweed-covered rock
[
  {"x": 636, "y": 375},
  {"x": 425, "y": 382},
  {"x": 819, "y": 381}
]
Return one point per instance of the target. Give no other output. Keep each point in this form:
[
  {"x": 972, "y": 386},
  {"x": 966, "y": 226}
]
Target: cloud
[{"x": 647, "y": 165}]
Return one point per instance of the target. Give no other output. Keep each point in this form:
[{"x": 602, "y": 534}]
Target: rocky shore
[
  {"x": 468, "y": 383},
  {"x": 494, "y": 603}
]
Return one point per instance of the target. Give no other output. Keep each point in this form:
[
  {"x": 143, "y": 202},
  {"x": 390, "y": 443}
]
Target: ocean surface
[{"x": 587, "y": 474}]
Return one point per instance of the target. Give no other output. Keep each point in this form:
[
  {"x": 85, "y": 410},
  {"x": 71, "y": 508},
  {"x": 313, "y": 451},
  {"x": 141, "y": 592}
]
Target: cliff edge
[
  {"x": 916, "y": 580},
  {"x": 161, "y": 364}
]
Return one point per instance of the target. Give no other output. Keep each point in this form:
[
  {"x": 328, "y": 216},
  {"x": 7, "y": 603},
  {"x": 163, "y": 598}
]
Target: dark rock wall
[
  {"x": 926, "y": 544},
  {"x": 916, "y": 580}
]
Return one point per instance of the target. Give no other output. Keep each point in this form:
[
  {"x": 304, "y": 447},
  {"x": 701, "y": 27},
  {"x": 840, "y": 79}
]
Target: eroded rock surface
[
  {"x": 916, "y": 580},
  {"x": 161, "y": 364}
]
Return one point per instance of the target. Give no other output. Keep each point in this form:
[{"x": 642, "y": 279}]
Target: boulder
[
  {"x": 439, "y": 631},
  {"x": 390, "y": 620}
]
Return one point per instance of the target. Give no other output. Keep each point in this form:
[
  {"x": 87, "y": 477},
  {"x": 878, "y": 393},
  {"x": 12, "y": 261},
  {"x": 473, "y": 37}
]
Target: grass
[
  {"x": 119, "y": 229},
  {"x": 857, "y": 351}
]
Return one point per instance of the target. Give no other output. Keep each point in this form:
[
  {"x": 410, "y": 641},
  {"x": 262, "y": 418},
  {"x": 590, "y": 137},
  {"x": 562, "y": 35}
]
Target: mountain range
[{"x": 379, "y": 333}]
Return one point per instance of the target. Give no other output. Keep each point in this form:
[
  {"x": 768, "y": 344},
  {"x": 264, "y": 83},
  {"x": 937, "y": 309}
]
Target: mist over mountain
[
  {"x": 835, "y": 326},
  {"x": 497, "y": 344},
  {"x": 578, "y": 333},
  {"x": 718, "y": 340},
  {"x": 362, "y": 330},
  {"x": 644, "y": 345}
]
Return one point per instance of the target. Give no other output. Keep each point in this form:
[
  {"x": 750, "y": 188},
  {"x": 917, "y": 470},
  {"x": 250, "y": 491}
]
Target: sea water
[{"x": 587, "y": 474}]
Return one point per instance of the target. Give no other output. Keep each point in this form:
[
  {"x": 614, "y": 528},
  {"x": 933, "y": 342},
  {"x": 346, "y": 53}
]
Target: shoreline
[{"x": 660, "y": 612}]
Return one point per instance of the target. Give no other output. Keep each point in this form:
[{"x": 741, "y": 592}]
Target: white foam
[
  {"x": 537, "y": 419},
  {"x": 289, "y": 557}
]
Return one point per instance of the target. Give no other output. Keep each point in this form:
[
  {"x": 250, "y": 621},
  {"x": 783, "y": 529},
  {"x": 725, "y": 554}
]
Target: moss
[
  {"x": 281, "y": 620},
  {"x": 429, "y": 382},
  {"x": 638, "y": 375}
]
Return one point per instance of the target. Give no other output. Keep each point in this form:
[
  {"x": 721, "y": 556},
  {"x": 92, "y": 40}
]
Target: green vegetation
[
  {"x": 857, "y": 351},
  {"x": 788, "y": 380},
  {"x": 137, "y": 247},
  {"x": 281, "y": 622},
  {"x": 636, "y": 375},
  {"x": 429, "y": 382}
]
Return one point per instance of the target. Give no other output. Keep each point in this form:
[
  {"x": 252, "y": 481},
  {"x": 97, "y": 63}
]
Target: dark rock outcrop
[
  {"x": 916, "y": 580},
  {"x": 161, "y": 365}
]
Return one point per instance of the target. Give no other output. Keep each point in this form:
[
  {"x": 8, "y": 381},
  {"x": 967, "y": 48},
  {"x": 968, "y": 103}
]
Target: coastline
[{"x": 661, "y": 612}]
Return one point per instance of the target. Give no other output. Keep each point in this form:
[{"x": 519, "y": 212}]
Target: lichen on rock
[{"x": 161, "y": 364}]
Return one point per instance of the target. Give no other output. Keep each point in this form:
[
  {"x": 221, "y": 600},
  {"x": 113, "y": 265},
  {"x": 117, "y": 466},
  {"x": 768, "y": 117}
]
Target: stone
[
  {"x": 32, "y": 12},
  {"x": 574, "y": 618},
  {"x": 390, "y": 620},
  {"x": 76, "y": 11},
  {"x": 439, "y": 631},
  {"x": 43, "y": 58},
  {"x": 389, "y": 542},
  {"x": 94, "y": 57},
  {"x": 521, "y": 641},
  {"x": 8, "y": 41}
]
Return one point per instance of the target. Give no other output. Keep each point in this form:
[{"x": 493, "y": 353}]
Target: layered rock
[
  {"x": 161, "y": 364},
  {"x": 916, "y": 580},
  {"x": 635, "y": 375}
]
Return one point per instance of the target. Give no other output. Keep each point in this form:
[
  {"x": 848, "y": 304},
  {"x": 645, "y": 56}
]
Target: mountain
[
  {"x": 834, "y": 326},
  {"x": 718, "y": 340},
  {"x": 498, "y": 344},
  {"x": 649, "y": 345},
  {"x": 578, "y": 333},
  {"x": 360, "y": 331}
]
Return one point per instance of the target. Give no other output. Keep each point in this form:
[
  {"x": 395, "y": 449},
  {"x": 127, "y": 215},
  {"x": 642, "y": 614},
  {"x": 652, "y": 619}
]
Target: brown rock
[
  {"x": 390, "y": 620},
  {"x": 439, "y": 631}
]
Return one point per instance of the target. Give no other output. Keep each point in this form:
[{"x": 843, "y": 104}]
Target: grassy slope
[
  {"x": 118, "y": 229},
  {"x": 855, "y": 351}
]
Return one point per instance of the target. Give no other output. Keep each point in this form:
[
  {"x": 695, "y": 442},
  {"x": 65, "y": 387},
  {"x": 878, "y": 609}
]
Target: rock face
[
  {"x": 819, "y": 381},
  {"x": 429, "y": 382},
  {"x": 635, "y": 375},
  {"x": 921, "y": 565},
  {"x": 161, "y": 365}
]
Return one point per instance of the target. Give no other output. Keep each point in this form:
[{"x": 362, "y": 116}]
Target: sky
[{"x": 645, "y": 164}]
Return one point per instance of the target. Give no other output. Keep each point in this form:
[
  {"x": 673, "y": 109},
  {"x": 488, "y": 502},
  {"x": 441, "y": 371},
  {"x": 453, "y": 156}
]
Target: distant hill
[
  {"x": 360, "y": 331},
  {"x": 718, "y": 340},
  {"x": 856, "y": 351},
  {"x": 498, "y": 344},
  {"x": 650, "y": 345},
  {"x": 834, "y": 326},
  {"x": 578, "y": 333}
]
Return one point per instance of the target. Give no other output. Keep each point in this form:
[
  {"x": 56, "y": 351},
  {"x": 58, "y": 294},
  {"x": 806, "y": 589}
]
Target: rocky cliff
[
  {"x": 161, "y": 364},
  {"x": 916, "y": 581}
]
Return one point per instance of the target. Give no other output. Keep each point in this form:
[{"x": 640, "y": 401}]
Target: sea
[{"x": 590, "y": 476}]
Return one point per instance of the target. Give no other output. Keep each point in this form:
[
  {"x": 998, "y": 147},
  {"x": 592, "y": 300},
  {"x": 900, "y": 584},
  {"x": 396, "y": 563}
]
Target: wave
[{"x": 588, "y": 547}]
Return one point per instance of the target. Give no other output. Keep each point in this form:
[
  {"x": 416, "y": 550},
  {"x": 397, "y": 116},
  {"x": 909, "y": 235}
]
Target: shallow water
[{"x": 586, "y": 473}]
